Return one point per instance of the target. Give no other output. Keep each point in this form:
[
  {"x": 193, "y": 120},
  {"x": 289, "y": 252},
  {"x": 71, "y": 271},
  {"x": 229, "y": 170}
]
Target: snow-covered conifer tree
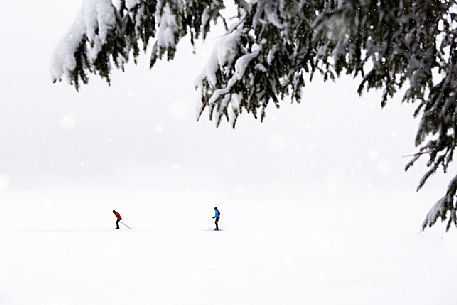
[{"x": 273, "y": 47}]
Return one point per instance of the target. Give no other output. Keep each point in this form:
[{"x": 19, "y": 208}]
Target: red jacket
[{"x": 118, "y": 216}]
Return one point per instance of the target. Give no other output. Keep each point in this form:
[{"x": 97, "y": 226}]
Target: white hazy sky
[{"x": 141, "y": 133}]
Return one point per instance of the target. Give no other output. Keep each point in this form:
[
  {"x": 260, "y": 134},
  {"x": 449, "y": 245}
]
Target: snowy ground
[{"x": 268, "y": 253}]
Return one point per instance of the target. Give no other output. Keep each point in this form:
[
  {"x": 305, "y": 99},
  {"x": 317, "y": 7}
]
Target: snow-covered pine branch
[
  {"x": 106, "y": 33},
  {"x": 275, "y": 46}
]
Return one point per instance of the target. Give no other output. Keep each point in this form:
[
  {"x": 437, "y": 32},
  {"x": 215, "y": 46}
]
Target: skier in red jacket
[{"x": 118, "y": 218}]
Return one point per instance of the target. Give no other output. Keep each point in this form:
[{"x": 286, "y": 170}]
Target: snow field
[{"x": 267, "y": 254}]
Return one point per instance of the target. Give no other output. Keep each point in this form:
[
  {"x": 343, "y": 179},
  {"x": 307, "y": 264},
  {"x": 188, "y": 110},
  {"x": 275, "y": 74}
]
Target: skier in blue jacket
[{"x": 216, "y": 216}]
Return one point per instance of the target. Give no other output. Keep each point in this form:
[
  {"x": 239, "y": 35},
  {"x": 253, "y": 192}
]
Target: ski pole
[{"x": 125, "y": 224}]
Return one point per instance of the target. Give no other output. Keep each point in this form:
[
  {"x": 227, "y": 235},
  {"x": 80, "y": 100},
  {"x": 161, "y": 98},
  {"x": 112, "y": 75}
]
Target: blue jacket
[{"x": 216, "y": 213}]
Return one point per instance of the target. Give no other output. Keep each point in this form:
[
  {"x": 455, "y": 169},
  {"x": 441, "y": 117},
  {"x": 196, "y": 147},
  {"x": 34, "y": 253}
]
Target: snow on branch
[
  {"x": 105, "y": 34},
  {"x": 438, "y": 210},
  {"x": 94, "y": 20}
]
